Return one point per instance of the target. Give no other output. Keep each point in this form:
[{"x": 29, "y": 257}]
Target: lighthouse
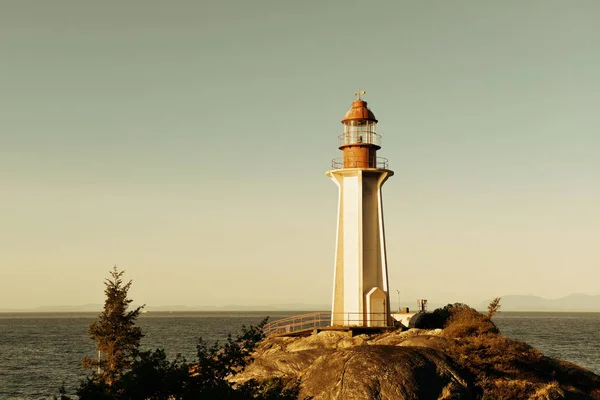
[{"x": 360, "y": 281}]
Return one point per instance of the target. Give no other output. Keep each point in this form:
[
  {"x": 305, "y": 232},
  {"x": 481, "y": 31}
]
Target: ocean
[{"x": 38, "y": 352}]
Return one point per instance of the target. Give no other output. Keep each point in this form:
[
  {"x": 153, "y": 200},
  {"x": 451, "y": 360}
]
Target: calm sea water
[{"x": 40, "y": 351}]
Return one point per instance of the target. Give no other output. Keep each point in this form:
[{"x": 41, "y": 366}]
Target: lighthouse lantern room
[{"x": 360, "y": 287}]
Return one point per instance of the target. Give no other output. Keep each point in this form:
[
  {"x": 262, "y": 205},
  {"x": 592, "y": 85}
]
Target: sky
[{"x": 187, "y": 142}]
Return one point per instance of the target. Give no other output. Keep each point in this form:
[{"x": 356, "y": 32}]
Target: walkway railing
[
  {"x": 298, "y": 323},
  {"x": 324, "y": 319}
]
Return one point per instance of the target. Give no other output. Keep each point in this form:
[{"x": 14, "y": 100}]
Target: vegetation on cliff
[
  {"x": 123, "y": 371},
  {"x": 502, "y": 368}
]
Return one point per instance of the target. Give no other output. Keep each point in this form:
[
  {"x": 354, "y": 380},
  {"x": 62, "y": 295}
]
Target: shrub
[
  {"x": 467, "y": 322},
  {"x": 436, "y": 319},
  {"x": 502, "y": 368}
]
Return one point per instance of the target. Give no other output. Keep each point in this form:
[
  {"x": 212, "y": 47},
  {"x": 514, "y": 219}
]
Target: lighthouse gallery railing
[{"x": 355, "y": 162}]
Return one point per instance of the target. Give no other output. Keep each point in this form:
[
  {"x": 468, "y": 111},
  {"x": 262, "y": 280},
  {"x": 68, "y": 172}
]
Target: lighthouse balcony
[
  {"x": 359, "y": 162},
  {"x": 359, "y": 137}
]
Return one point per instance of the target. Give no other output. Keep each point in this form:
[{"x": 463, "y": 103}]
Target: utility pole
[{"x": 399, "y": 309}]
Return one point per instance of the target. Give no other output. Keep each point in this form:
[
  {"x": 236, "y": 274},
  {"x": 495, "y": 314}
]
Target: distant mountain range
[
  {"x": 42, "y": 309},
  {"x": 150, "y": 308},
  {"x": 572, "y": 302}
]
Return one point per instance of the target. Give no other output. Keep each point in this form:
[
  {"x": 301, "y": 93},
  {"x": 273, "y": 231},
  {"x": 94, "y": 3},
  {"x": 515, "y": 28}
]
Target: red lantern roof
[{"x": 359, "y": 111}]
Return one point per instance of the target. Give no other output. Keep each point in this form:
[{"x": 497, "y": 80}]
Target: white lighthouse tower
[{"x": 360, "y": 283}]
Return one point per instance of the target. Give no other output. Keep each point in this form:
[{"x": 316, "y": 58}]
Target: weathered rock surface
[
  {"x": 401, "y": 365},
  {"x": 383, "y": 372},
  {"x": 417, "y": 364}
]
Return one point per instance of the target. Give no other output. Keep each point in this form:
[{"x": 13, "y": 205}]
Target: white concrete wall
[
  {"x": 360, "y": 258},
  {"x": 351, "y": 196}
]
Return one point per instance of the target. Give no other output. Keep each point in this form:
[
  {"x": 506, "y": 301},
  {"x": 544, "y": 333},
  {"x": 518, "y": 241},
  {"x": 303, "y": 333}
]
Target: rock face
[
  {"x": 408, "y": 365},
  {"x": 382, "y": 372},
  {"x": 417, "y": 364}
]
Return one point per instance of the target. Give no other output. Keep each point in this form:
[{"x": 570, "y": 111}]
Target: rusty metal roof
[{"x": 359, "y": 111}]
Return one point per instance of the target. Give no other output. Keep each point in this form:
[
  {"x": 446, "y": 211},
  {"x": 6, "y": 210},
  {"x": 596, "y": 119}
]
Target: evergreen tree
[
  {"x": 127, "y": 373},
  {"x": 114, "y": 332}
]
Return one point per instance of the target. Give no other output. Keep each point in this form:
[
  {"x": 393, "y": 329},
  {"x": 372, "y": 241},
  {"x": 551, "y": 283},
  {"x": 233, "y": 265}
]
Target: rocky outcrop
[
  {"x": 417, "y": 364},
  {"x": 401, "y": 365}
]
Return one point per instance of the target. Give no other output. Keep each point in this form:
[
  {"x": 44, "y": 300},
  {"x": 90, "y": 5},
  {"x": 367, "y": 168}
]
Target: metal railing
[
  {"x": 325, "y": 319},
  {"x": 360, "y": 137},
  {"x": 359, "y": 162}
]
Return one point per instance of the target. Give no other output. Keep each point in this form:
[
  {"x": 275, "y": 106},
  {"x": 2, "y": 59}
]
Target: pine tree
[
  {"x": 114, "y": 332},
  {"x": 494, "y": 307},
  {"x": 127, "y": 373}
]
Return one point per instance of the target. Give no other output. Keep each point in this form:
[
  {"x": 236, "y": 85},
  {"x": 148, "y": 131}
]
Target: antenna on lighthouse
[{"x": 360, "y": 92}]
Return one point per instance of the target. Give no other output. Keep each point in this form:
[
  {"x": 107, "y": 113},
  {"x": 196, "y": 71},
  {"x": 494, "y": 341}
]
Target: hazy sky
[{"x": 187, "y": 142}]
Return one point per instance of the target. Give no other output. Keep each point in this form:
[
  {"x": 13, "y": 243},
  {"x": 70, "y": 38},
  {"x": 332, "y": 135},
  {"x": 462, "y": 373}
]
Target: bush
[
  {"x": 501, "y": 368},
  {"x": 153, "y": 376},
  {"x": 467, "y": 322},
  {"x": 436, "y": 319}
]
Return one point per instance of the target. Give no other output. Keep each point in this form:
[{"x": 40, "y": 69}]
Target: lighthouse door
[{"x": 376, "y": 310}]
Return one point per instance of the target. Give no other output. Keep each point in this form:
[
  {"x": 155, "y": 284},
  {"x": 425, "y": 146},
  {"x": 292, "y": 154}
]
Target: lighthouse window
[{"x": 359, "y": 132}]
